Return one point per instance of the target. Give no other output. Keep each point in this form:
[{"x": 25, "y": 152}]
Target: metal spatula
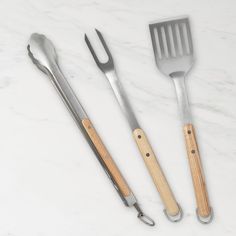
[{"x": 173, "y": 50}]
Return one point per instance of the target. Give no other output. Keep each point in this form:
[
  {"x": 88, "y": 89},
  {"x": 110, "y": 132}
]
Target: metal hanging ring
[
  {"x": 205, "y": 220},
  {"x": 146, "y": 219},
  {"x": 175, "y": 218}
]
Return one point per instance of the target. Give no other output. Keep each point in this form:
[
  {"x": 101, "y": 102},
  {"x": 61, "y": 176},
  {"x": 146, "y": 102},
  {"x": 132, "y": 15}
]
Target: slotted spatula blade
[
  {"x": 173, "y": 51},
  {"x": 172, "y": 45}
]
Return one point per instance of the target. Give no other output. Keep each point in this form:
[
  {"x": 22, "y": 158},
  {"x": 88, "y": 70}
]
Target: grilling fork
[
  {"x": 173, "y": 51},
  {"x": 172, "y": 209},
  {"x": 43, "y": 55}
]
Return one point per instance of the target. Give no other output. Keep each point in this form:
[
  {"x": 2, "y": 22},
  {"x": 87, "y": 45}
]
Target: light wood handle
[
  {"x": 203, "y": 206},
  {"x": 106, "y": 158},
  {"x": 156, "y": 173}
]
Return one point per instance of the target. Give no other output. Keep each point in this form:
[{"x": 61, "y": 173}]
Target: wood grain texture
[
  {"x": 196, "y": 171},
  {"x": 106, "y": 158},
  {"x": 156, "y": 172}
]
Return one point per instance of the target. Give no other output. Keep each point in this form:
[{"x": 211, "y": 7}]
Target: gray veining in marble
[{"x": 50, "y": 181}]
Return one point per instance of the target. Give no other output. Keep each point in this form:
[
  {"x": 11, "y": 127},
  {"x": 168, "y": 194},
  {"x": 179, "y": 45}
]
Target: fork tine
[
  {"x": 92, "y": 50},
  {"x": 168, "y": 43},
  {"x": 175, "y": 40},
  {"x": 189, "y": 36},
  {"x": 161, "y": 41},
  {"x": 104, "y": 44},
  {"x": 182, "y": 38},
  {"x": 154, "y": 41}
]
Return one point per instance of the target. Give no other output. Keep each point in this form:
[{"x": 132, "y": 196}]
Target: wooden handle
[
  {"x": 156, "y": 172},
  {"x": 203, "y": 206},
  {"x": 106, "y": 158}
]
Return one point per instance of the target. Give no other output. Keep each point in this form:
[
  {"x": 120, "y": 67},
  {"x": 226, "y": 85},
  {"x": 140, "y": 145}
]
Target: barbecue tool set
[{"x": 173, "y": 51}]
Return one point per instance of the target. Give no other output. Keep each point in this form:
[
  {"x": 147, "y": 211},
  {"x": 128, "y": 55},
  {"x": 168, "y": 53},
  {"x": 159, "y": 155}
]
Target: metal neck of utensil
[
  {"x": 122, "y": 99},
  {"x": 179, "y": 82}
]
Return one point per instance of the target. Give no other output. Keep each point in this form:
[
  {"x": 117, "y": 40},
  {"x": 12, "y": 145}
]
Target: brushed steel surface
[
  {"x": 108, "y": 69},
  {"x": 173, "y": 51}
]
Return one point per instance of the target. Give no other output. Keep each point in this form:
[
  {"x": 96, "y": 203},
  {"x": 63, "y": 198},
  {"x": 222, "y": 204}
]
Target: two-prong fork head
[
  {"x": 172, "y": 45},
  {"x": 104, "y": 66}
]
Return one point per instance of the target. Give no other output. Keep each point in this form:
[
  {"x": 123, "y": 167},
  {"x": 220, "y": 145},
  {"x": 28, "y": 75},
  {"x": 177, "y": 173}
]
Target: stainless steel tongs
[
  {"x": 43, "y": 55},
  {"x": 172, "y": 209}
]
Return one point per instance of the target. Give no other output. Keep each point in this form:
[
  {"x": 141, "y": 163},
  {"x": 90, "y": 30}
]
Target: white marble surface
[{"x": 50, "y": 182}]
